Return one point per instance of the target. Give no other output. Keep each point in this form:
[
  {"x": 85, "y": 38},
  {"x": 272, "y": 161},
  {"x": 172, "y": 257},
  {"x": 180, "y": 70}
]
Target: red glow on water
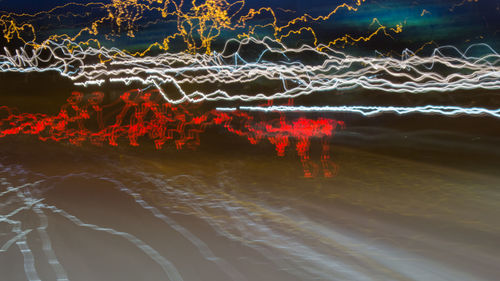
[{"x": 136, "y": 115}]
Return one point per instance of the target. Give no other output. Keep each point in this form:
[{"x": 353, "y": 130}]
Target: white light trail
[
  {"x": 18, "y": 200},
  {"x": 373, "y": 110},
  {"x": 239, "y": 79}
]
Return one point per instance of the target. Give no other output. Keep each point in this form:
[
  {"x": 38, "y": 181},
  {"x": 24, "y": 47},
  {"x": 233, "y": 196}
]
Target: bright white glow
[
  {"x": 185, "y": 75},
  {"x": 374, "y": 110}
]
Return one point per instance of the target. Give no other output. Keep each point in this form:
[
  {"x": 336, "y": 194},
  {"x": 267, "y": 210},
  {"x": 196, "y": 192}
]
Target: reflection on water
[
  {"x": 147, "y": 115},
  {"x": 69, "y": 213}
]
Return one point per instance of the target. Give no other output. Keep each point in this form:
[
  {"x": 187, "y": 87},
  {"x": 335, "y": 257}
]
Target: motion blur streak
[
  {"x": 274, "y": 63},
  {"x": 298, "y": 243},
  {"x": 374, "y": 110},
  {"x": 138, "y": 114},
  {"x": 249, "y": 140}
]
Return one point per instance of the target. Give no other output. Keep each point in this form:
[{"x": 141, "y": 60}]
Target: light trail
[
  {"x": 28, "y": 198},
  {"x": 21, "y": 199},
  {"x": 236, "y": 73},
  {"x": 136, "y": 115},
  {"x": 373, "y": 110},
  {"x": 293, "y": 75},
  {"x": 195, "y": 24}
]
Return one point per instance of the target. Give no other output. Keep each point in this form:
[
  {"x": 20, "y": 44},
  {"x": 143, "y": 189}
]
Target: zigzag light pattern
[
  {"x": 374, "y": 110},
  {"x": 275, "y": 63}
]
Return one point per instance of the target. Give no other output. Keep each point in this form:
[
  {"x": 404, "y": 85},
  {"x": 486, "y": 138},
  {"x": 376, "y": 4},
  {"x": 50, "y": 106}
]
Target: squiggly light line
[
  {"x": 198, "y": 23},
  {"x": 336, "y": 71},
  {"x": 373, "y": 110},
  {"x": 20, "y": 199}
]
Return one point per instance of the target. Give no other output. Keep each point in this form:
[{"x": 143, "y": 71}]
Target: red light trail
[{"x": 136, "y": 114}]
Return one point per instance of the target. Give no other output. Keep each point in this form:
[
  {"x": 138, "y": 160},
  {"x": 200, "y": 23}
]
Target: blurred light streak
[
  {"x": 197, "y": 23},
  {"x": 136, "y": 114},
  {"x": 337, "y": 71},
  {"x": 373, "y": 110}
]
